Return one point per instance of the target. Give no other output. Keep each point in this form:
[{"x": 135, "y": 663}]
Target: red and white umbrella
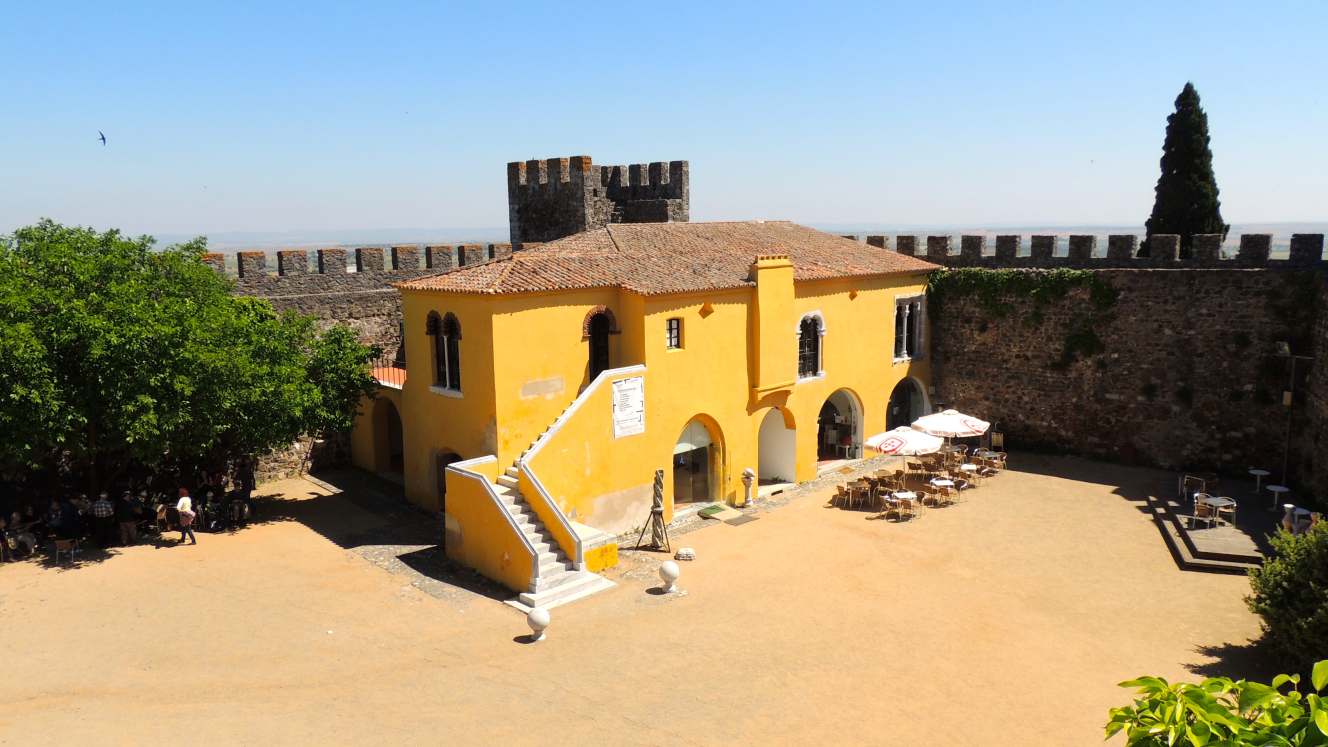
[
  {"x": 905, "y": 441},
  {"x": 951, "y": 424}
]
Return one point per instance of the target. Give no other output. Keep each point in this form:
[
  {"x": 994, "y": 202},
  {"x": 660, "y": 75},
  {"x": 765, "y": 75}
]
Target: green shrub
[
  {"x": 1219, "y": 711},
  {"x": 1290, "y": 593}
]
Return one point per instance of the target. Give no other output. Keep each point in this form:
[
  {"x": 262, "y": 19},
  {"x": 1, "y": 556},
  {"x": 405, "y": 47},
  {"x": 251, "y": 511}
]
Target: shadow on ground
[
  {"x": 1254, "y": 660},
  {"x": 361, "y": 513}
]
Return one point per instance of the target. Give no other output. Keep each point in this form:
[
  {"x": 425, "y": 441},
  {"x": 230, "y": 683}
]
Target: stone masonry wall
[
  {"x": 1314, "y": 437},
  {"x": 1189, "y": 377},
  {"x": 364, "y": 299}
]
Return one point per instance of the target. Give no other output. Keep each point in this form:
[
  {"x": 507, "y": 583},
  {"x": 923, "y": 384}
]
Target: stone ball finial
[
  {"x": 668, "y": 573},
  {"x": 538, "y": 620}
]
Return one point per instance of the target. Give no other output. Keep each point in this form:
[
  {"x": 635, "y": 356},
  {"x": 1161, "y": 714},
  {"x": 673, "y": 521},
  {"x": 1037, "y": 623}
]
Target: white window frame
[{"x": 915, "y": 327}]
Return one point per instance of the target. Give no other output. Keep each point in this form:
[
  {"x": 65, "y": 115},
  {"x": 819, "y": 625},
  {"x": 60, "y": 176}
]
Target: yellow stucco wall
[
  {"x": 543, "y": 361},
  {"x": 597, "y": 479},
  {"x": 524, "y": 360},
  {"x": 477, "y": 534},
  {"x": 435, "y": 424},
  {"x": 369, "y": 448}
]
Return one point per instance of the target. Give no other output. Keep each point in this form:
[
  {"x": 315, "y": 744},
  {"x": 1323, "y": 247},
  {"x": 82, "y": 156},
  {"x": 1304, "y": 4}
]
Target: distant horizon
[{"x": 229, "y": 241}]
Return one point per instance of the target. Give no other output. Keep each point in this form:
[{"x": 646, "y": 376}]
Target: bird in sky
[{"x": 101, "y": 136}]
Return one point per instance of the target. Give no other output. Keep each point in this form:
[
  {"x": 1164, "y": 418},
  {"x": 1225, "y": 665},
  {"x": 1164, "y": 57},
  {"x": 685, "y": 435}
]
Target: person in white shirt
[{"x": 185, "y": 507}]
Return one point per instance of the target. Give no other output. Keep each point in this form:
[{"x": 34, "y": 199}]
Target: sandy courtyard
[{"x": 1005, "y": 619}]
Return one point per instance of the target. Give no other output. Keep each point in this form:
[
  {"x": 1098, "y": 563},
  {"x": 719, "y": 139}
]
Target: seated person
[{"x": 1304, "y": 523}]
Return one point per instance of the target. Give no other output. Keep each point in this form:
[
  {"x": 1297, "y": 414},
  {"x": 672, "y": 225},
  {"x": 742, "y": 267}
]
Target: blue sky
[{"x": 264, "y": 117}]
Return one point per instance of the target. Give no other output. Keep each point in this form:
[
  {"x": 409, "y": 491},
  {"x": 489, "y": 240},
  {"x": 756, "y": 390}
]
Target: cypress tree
[{"x": 1186, "y": 201}]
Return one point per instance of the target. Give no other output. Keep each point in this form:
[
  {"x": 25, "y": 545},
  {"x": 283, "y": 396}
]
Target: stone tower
[{"x": 558, "y": 197}]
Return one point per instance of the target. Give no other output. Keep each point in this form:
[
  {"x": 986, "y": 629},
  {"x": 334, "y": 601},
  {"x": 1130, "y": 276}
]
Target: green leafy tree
[
  {"x": 116, "y": 356},
  {"x": 1186, "y": 194},
  {"x": 1290, "y": 593},
  {"x": 1219, "y": 711}
]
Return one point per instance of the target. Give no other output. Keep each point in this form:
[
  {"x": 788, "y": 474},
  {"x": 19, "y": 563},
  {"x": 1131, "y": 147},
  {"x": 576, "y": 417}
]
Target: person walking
[
  {"x": 247, "y": 482},
  {"x": 103, "y": 517},
  {"x": 185, "y": 507}
]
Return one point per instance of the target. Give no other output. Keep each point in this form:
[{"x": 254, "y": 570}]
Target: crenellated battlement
[
  {"x": 551, "y": 198},
  {"x": 285, "y": 271},
  {"x": 1119, "y": 251}
]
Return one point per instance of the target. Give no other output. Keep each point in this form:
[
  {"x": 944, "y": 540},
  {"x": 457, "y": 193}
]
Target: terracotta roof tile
[{"x": 654, "y": 258}]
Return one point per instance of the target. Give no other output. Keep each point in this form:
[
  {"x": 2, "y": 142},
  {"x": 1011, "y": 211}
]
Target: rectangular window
[
  {"x": 674, "y": 329},
  {"x": 910, "y": 325}
]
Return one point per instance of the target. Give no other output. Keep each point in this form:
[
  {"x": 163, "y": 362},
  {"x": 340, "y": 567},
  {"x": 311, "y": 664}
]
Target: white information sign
[{"x": 629, "y": 406}]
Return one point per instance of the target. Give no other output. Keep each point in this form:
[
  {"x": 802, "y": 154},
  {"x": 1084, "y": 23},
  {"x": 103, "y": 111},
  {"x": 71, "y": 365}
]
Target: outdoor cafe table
[
  {"x": 1217, "y": 502},
  {"x": 1277, "y": 491},
  {"x": 1259, "y": 474},
  {"x": 860, "y": 489},
  {"x": 972, "y": 470}
]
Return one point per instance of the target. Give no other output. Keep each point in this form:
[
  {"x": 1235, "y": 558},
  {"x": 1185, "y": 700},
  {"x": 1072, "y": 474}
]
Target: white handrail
[
  {"x": 523, "y": 463},
  {"x": 460, "y": 468}
]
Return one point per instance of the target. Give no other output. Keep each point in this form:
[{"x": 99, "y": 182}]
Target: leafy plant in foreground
[{"x": 1219, "y": 711}]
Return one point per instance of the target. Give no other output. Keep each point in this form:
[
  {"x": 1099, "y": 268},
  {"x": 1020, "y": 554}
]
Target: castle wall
[
  {"x": 1313, "y": 438},
  {"x": 329, "y": 291},
  {"x": 1189, "y": 374}
]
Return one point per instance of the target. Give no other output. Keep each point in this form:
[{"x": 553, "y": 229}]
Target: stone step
[
  {"x": 507, "y": 481},
  {"x": 566, "y": 588},
  {"x": 513, "y": 472},
  {"x": 528, "y": 522},
  {"x": 552, "y": 569},
  {"x": 1183, "y": 551}
]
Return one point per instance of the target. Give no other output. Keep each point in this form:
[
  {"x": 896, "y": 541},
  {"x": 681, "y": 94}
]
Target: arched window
[
  {"x": 809, "y": 347},
  {"x": 446, "y": 334}
]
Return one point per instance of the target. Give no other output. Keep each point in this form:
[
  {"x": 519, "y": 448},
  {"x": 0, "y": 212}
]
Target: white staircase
[{"x": 559, "y": 581}]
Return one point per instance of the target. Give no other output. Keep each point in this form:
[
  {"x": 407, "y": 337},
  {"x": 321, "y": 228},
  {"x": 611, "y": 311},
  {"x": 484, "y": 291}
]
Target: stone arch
[
  {"x": 698, "y": 461},
  {"x": 590, "y": 316},
  {"x": 814, "y": 314}
]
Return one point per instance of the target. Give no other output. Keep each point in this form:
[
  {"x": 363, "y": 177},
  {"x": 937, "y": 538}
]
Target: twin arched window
[
  {"x": 809, "y": 346},
  {"x": 446, "y": 334}
]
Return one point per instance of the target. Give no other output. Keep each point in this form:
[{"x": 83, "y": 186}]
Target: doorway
[
  {"x": 600, "y": 326},
  {"x": 839, "y": 427},
  {"x": 777, "y": 447},
  {"x": 907, "y": 403},
  {"x": 389, "y": 444},
  {"x": 694, "y": 459},
  {"x": 443, "y": 459}
]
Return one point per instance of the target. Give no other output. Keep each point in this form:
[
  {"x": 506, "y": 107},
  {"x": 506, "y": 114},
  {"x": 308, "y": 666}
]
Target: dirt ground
[{"x": 1005, "y": 619}]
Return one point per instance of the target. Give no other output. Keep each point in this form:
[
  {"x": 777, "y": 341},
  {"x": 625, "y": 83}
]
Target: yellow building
[{"x": 545, "y": 390}]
